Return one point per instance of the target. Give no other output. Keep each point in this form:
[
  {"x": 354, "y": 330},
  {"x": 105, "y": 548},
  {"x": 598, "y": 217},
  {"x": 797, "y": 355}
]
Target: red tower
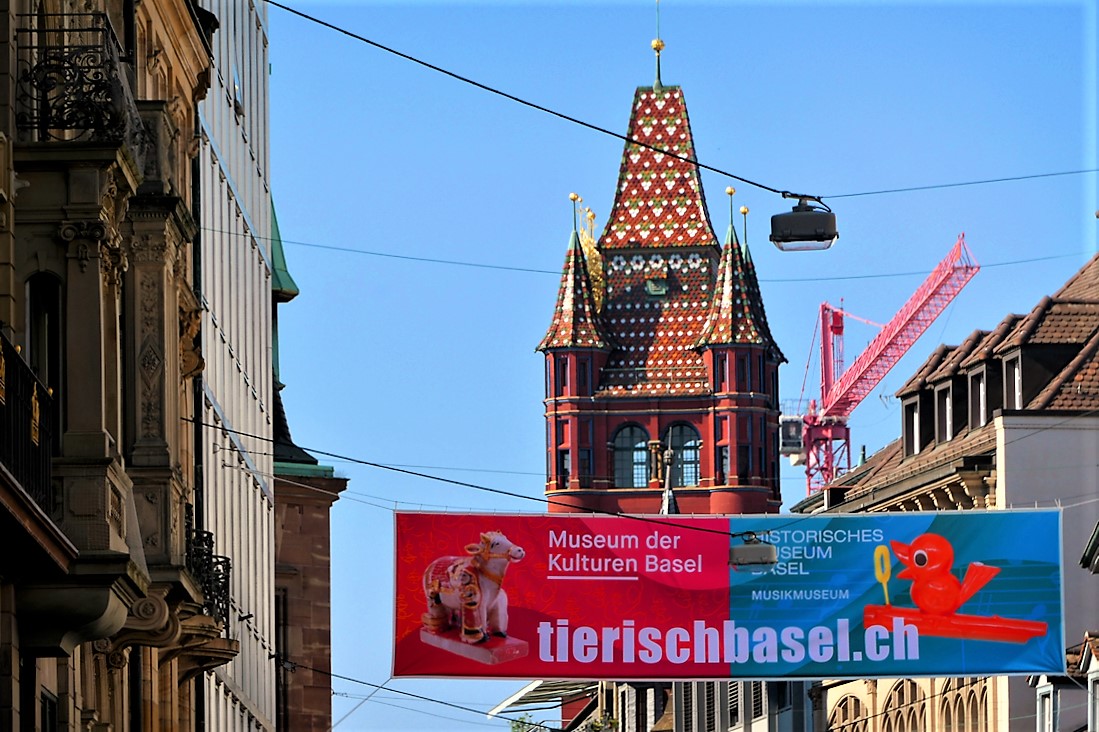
[{"x": 659, "y": 348}]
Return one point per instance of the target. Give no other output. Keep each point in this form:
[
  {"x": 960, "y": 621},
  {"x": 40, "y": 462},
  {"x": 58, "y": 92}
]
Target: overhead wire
[
  {"x": 524, "y": 102},
  {"x": 663, "y": 521},
  {"x": 292, "y": 666},
  {"x": 557, "y": 273},
  {"x": 633, "y": 141}
]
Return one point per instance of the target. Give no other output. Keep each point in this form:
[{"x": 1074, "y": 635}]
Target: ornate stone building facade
[
  {"x": 113, "y": 596},
  {"x": 1007, "y": 419}
]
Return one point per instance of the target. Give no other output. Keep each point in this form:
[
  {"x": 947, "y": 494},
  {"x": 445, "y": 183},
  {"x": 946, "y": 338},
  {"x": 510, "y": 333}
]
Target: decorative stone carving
[{"x": 151, "y": 622}]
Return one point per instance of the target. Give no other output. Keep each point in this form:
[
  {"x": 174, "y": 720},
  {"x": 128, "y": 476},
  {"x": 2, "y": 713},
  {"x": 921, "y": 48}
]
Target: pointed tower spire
[
  {"x": 576, "y": 321},
  {"x": 736, "y": 313}
]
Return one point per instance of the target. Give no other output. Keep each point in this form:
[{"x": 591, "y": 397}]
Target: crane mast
[{"x": 825, "y": 437}]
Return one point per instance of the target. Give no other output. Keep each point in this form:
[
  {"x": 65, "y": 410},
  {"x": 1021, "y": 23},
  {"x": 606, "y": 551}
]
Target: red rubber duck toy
[{"x": 929, "y": 561}]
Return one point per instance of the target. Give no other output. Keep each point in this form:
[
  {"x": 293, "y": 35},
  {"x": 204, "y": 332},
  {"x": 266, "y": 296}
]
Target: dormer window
[
  {"x": 911, "y": 429},
  {"x": 1013, "y": 383},
  {"x": 944, "y": 414},
  {"x": 978, "y": 400}
]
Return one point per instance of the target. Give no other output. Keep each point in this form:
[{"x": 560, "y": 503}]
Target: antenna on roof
[{"x": 658, "y": 46}]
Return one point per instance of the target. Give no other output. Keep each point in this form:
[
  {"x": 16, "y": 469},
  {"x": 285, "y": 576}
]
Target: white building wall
[
  {"x": 235, "y": 225},
  {"x": 1053, "y": 461}
]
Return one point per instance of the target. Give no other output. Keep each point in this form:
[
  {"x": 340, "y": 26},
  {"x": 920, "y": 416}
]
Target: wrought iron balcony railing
[
  {"x": 25, "y": 426},
  {"x": 71, "y": 82},
  {"x": 211, "y": 571}
]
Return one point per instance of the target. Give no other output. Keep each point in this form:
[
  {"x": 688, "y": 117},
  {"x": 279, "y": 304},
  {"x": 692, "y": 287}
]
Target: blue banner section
[{"x": 967, "y": 593}]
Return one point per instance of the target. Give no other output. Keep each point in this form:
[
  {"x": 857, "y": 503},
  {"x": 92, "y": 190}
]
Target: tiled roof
[
  {"x": 737, "y": 314},
  {"x": 660, "y": 264},
  {"x": 985, "y": 348},
  {"x": 576, "y": 322},
  {"x": 659, "y": 200},
  {"x": 1084, "y": 285},
  {"x": 893, "y": 467},
  {"x": 952, "y": 364},
  {"x": 919, "y": 379},
  {"x": 656, "y": 334}
]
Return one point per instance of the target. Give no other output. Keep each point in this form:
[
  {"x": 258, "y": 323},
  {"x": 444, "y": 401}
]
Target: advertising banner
[{"x": 967, "y": 593}]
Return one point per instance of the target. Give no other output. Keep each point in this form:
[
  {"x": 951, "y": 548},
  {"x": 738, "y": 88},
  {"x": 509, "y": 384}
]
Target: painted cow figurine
[{"x": 466, "y": 592}]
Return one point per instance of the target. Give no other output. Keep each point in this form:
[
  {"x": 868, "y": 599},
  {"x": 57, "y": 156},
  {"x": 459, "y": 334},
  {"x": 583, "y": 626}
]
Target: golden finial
[
  {"x": 744, "y": 213},
  {"x": 730, "y": 190},
  {"x": 658, "y": 46},
  {"x": 574, "y": 197},
  {"x": 744, "y": 210}
]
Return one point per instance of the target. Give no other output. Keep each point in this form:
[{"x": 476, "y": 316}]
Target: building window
[
  {"x": 911, "y": 428},
  {"x": 944, "y": 414},
  {"x": 631, "y": 457},
  {"x": 978, "y": 401},
  {"x": 562, "y": 376},
  {"x": 584, "y": 458},
  {"x": 734, "y": 703},
  {"x": 905, "y": 709},
  {"x": 564, "y": 467},
  {"x": 686, "y": 693},
  {"x": 757, "y": 699},
  {"x": 583, "y": 377},
  {"x": 1013, "y": 384},
  {"x": 709, "y": 706},
  {"x": 1047, "y": 712},
  {"x": 721, "y": 376},
  {"x": 847, "y": 716},
  {"x": 743, "y": 377},
  {"x": 48, "y": 712},
  {"x": 685, "y": 442}
]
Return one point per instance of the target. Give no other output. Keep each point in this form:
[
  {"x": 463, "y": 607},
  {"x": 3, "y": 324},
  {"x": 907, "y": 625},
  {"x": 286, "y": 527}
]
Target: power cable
[
  {"x": 292, "y": 666},
  {"x": 633, "y": 141},
  {"x": 497, "y": 491},
  {"x": 557, "y": 273},
  {"x": 985, "y": 181},
  {"x": 526, "y": 103}
]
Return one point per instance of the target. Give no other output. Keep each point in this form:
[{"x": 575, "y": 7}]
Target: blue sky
[{"x": 432, "y": 366}]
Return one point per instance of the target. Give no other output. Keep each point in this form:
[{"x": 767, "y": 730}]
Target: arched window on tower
[
  {"x": 685, "y": 442},
  {"x": 631, "y": 457}
]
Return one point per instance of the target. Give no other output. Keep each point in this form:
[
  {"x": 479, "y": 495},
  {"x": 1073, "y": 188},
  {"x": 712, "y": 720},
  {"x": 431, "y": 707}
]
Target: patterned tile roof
[
  {"x": 737, "y": 314},
  {"x": 659, "y": 265},
  {"x": 659, "y": 200},
  {"x": 576, "y": 321},
  {"x": 657, "y": 303}
]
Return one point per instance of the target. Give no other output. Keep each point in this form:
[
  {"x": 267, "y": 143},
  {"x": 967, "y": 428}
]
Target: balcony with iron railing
[
  {"x": 211, "y": 571},
  {"x": 26, "y": 424},
  {"x": 72, "y": 84}
]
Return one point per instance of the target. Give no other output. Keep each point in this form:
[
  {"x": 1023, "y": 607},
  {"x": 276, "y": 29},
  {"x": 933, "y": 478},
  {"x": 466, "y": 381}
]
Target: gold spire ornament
[{"x": 593, "y": 258}]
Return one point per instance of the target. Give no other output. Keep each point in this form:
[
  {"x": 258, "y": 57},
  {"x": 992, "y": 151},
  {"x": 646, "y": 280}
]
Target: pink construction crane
[{"x": 821, "y": 438}]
